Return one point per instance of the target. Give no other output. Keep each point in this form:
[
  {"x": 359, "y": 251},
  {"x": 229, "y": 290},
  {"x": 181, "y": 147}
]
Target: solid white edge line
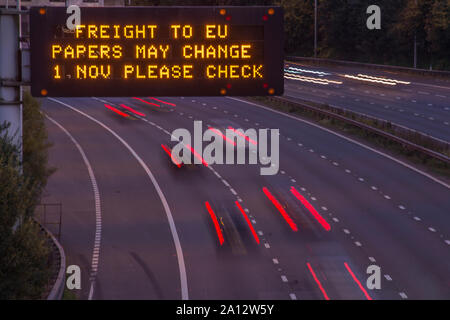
[
  {"x": 349, "y": 139},
  {"x": 173, "y": 229},
  {"x": 98, "y": 212}
]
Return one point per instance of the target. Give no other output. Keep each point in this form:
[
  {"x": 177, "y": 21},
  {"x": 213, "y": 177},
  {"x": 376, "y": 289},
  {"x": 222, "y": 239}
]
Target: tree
[
  {"x": 23, "y": 252},
  {"x": 298, "y": 26},
  {"x": 35, "y": 148},
  {"x": 437, "y": 29}
]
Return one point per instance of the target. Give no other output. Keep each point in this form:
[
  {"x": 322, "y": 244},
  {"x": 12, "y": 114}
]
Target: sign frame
[{"x": 47, "y": 22}]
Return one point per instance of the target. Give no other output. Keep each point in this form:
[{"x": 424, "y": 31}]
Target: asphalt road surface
[
  {"x": 419, "y": 103},
  {"x": 141, "y": 228}
]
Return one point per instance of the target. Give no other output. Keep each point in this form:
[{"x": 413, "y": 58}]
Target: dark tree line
[{"x": 342, "y": 31}]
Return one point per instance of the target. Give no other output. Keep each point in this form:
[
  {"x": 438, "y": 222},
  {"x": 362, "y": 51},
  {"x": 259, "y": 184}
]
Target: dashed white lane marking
[
  {"x": 346, "y": 231},
  {"x": 173, "y": 229},
  {"x": 447, "y": 242},
  {"x": 417, "y": 219},
  {"x": 293, "y": 180},
  {"x": 324, "y": 208},
  {"x": 387, "y": 197},
  {"x": 292, "y": 296},
  {"x": 361, "y": 179},
  {"x": 284, "y": 278},
  {"x": 348, "y": 171},
  {"x": 403, "y": 295},
  {"x": 267, "y": 245},
  {"x": 275, "y": 261},
  {"x": 98, "y": 211},
  {"x": 401, "y": 207},
  {"x": 233, "y": 191},
  {"x": 335, "y": 164},
  {"x": 374, "y": 188},
  {"x": 388, "y": 277},
  {"x": 432, "y": 229},
  {"x": 372, "y": 259},
  {"x": 335, "y": 219},
  {"x": 260, "y": 233},
  {"x": 441, "y": 96},
  {"x": 358, "y": 244}
]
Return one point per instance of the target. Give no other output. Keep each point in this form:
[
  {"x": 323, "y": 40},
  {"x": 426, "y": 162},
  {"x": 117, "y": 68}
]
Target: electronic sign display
[{"x": 162, "y": 51}]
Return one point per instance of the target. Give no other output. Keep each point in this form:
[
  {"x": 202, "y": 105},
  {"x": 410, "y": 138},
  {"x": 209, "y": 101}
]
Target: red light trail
[{"x": 280, "y": 209}]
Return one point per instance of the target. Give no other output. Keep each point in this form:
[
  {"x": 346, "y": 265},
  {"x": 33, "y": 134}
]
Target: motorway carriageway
[
  {"x": 156, "y": 231},
  {"x": 418, "y": 103}
]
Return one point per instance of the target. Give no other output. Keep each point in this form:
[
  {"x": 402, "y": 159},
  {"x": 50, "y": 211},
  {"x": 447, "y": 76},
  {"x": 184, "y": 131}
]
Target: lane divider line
[{"x": 98, "y": 211}]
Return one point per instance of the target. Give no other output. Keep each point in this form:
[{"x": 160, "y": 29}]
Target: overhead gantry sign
[{"x": 163, "y": 51}]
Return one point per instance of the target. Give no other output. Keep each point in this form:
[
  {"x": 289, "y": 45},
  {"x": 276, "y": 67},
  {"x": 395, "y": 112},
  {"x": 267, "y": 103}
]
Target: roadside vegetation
[
  {"x": 343, "y": 34},
  {"x": 25, "y": 262}
]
